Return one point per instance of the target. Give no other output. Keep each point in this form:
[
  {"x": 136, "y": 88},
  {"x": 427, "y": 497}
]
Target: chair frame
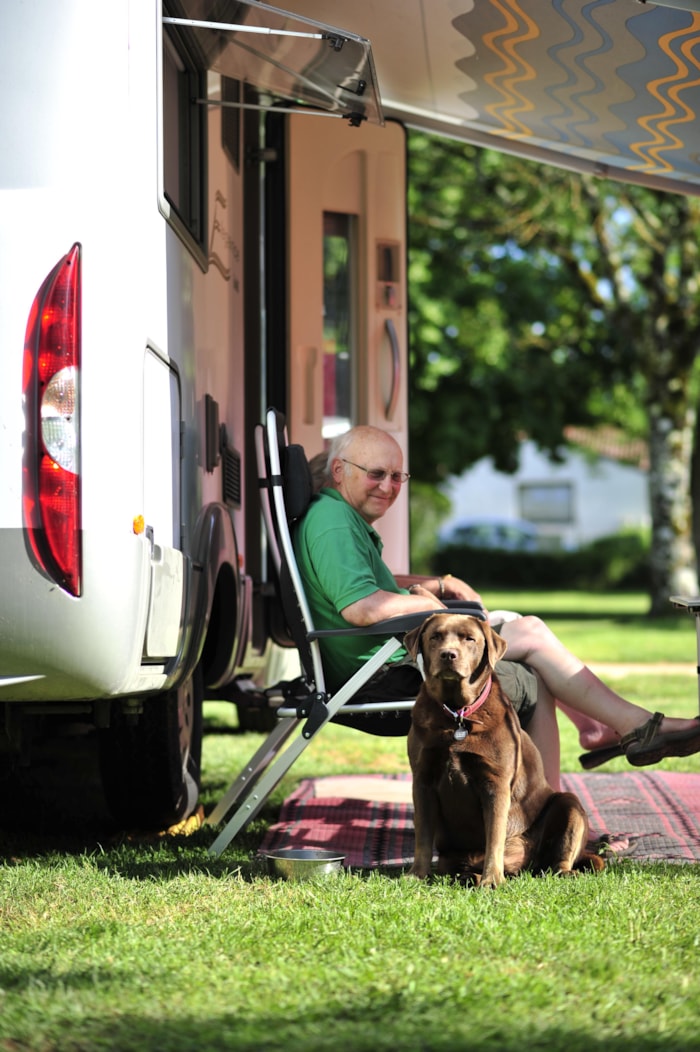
[
  {"x": 691, "y": 604},
  {"x": 313, "y": 706}
]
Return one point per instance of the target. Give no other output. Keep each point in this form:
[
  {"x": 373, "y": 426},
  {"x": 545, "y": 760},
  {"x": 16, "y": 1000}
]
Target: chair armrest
[
  {"x": 466, "y": 606},
  {"x": 394, "y": 626},
  {"x": 689, "y": 603}
]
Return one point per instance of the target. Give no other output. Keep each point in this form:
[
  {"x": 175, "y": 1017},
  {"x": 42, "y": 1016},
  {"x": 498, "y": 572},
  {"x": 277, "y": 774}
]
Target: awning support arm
[
  {"x": 353, "y": 118},
  {"x": 336, "y": 41}
]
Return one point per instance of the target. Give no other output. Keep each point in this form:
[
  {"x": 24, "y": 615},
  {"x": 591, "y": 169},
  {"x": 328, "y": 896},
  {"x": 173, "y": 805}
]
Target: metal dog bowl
[{"x": 304, "y": 863}]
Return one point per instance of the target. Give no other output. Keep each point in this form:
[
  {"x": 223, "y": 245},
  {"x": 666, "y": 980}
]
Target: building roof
[{"x": 610, "y": 442}]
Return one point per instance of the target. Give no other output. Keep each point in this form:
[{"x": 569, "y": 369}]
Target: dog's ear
[
  {"x": 412, "y": 639},
  {"x": 496, "y": 645}
]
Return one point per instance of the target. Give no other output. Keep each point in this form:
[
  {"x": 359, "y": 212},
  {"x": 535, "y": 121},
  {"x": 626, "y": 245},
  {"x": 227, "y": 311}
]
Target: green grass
[
  {"x": 607, "y": 628},
  {"x": 131, "y": 946}
]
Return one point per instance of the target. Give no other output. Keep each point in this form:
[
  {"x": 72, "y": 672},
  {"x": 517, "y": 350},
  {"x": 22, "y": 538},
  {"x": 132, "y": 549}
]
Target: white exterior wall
[{"x": 607, "y": 496}]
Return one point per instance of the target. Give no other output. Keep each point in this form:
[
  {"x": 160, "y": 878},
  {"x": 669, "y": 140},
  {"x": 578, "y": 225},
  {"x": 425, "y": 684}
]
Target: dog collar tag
[{"x": 460, "y": 734}]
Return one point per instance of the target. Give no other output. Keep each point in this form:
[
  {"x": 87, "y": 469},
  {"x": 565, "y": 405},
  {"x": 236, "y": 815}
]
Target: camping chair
[
  {"x": 306, "y": 704},
  {"x": 691, "y": 604}
]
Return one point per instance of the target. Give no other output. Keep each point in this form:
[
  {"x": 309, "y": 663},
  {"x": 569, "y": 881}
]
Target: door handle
[{"x": 391, "y": 402}]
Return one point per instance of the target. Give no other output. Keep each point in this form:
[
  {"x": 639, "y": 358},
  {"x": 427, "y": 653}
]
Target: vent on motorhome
[{"x": 230, "y": 472}]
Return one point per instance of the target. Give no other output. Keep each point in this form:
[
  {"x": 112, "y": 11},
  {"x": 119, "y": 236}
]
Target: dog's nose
[{"x": 448, "y": 657}]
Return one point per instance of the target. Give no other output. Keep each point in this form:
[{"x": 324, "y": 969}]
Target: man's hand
[
  {"x": 454, "y": 588},
  {"x": 418, "y": 589}
]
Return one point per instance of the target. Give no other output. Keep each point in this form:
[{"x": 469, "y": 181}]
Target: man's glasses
[{"x": 378, "y": 474}]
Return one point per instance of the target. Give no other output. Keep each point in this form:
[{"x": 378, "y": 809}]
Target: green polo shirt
[{"x": 340, "y": 561}]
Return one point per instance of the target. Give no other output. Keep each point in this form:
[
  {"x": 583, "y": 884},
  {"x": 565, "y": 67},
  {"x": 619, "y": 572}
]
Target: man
[{"x": 347, "y": 582}]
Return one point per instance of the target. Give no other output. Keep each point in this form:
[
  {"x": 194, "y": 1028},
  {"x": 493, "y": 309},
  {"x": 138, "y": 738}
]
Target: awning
[
  {"x": 287, "y": 56},
  {"x": 604, "y": 86}
]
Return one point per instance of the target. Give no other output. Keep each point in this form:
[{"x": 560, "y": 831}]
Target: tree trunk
[
  {"x": 673, "y": 564},
  {"x": 695, "y": 490}
]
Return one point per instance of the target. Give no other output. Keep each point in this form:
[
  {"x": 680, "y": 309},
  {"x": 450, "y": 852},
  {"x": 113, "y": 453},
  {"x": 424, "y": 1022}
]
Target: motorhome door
[{"x": 346, "y": 321}]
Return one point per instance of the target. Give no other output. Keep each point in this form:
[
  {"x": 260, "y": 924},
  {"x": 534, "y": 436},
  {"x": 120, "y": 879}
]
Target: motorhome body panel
[
  {"x": 67, "y": 180},
  {"x": 85, "y": 170}
]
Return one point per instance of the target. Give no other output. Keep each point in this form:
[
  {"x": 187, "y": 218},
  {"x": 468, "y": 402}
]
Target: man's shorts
[{"x": 519, "y": 682}]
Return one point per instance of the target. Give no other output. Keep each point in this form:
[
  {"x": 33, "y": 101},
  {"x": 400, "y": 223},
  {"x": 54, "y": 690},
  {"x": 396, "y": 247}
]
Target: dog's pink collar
[{"x": 468, "y": 710}]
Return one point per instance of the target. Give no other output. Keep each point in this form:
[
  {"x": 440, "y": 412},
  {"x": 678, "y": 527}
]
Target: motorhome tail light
[{"x": 51, "y": 381}]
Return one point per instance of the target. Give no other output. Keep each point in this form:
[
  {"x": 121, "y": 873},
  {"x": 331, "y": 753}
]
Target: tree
[{"x": 541, "y": 298}]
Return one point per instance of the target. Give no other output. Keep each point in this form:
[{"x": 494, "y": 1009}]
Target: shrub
[{"x": 619, "y": 561}]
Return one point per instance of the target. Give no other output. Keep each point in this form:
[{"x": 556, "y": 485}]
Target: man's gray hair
[{"x": 339, "y": 445}]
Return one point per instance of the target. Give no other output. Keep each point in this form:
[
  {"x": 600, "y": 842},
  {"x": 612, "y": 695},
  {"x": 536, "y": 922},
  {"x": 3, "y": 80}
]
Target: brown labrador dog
[{"x": 480, "y": 795}]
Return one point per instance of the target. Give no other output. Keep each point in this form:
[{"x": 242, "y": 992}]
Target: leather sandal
[
  {"x": 596, "y": 757},
  {"x": 646, "y": 745},
  {"x": 649, "y": 745}
]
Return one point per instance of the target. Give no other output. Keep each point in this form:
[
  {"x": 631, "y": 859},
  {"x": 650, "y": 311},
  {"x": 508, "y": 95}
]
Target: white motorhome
[
  {"x": 144, "y": 323},
  {"x": 202, "y": 213}
]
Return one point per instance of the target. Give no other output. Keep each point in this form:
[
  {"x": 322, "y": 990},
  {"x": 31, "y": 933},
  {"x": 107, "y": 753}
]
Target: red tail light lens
[{"x": 52, "y": 514}]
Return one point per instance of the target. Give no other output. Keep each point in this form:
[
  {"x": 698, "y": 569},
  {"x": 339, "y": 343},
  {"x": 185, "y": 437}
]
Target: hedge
[{"x": 620, "y": 562}]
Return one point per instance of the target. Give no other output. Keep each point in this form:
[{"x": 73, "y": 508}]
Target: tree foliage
[
  {"x": 503, "y": 340},
  {"x": 542, "y": 298}
]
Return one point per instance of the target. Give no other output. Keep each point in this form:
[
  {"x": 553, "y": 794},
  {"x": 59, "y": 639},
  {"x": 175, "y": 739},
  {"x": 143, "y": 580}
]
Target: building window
[{"x": 547, "y": 501}]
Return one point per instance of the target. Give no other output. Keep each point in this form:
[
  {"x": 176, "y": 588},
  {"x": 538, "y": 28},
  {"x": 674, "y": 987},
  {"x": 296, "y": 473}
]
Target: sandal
[
  {"x": 596, "y": 757},
  {"x": 646, "y": 745}
]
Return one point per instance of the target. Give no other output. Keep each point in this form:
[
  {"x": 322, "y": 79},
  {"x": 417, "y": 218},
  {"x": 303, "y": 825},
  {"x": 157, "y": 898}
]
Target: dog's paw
[
  {"x": 492, "y": 879},
  {"x": 418, "y": 872}
]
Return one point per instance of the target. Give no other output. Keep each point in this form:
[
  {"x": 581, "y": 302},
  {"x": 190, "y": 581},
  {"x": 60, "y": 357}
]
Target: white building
[{"x": 593, "y": 494}]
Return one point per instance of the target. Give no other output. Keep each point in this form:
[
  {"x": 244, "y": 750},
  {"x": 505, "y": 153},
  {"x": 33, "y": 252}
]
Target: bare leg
[
  {"x": 573, "y": 683},
  {"x": 544, "y": 731},
  {"x": 591, "y": 733}
]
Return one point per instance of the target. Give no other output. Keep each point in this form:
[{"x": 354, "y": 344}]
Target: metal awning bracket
[
  {"x": 285, "y": 56},
  {"x": 242, "y": 27}
]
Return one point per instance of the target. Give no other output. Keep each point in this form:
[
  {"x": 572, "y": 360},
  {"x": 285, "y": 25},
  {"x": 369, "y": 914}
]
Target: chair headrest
[{"x": 298, "y": 484}]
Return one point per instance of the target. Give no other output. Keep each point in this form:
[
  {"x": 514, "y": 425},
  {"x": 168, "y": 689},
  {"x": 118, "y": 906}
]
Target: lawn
[
  {"x": 121, "y": 945},
  {"x": 608, "y": 628}
]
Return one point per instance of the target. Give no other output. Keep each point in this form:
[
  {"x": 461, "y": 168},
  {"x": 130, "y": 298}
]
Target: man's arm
[{"x": 380, "y": 605}]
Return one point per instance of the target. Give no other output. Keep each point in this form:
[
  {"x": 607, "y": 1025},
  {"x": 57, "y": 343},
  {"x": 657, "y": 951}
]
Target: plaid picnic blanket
[{"x": 646, "y": 815}]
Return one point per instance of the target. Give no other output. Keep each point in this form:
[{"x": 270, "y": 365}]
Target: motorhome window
[
  {"x": 339, "y": 326},
  {"x": 184, "y": 144},
  {"x": 231, "y": 120}
]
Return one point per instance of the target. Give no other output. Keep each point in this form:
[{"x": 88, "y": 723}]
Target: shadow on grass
[
  {"x": 57, "y": 805},
  {"x": 363, "y": 1022}
]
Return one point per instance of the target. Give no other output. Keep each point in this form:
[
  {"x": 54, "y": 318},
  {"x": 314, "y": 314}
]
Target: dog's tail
[{"x": 589, "y": 862}]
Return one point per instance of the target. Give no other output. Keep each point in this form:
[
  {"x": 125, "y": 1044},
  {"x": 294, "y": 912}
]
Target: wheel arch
[{"x": 221, "y": 610}]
